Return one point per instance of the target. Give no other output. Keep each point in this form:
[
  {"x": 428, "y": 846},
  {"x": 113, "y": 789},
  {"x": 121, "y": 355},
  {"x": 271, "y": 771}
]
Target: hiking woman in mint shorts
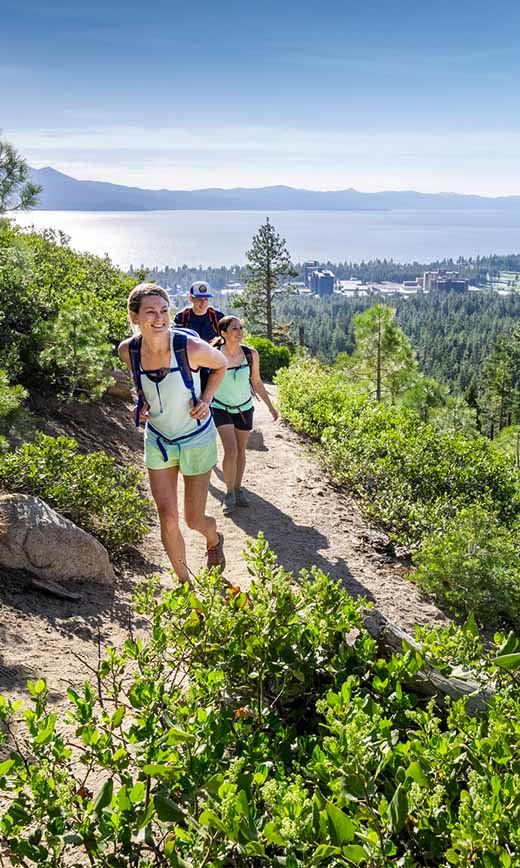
[
  {"x": 233, "y": 406},
  {"x": 180, "y": 436}
]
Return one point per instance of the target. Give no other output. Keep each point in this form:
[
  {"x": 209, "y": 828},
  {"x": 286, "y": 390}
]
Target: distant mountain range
[{"x": 63, "y": 193}]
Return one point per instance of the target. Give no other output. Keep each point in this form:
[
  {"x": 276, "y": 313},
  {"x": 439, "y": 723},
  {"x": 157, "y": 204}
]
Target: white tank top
[{"x": 169, "y": 400}]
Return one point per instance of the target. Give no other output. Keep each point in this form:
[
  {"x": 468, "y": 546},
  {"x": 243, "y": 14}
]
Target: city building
[
  {"x": 308, "y": 267},
  {"x": 322, "y": 282},
  {"x": 445, "y": 281}
]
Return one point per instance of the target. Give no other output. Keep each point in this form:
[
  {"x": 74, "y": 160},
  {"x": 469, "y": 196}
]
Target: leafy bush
[
  {"x": 77, "y": 353},
  {"x": 472, "y": 566},
  {"x": 313, "y": 397},
  {"x": 411, "y": 477},
  {"x": 414, "y": 480},
  {"x": 39, "y": 276},
  {"x": 272, "y": 357},
  {"x": 89, "y": 489},
  {"x": 11, "y": 411},
  {"x": 245, "y": 731}
]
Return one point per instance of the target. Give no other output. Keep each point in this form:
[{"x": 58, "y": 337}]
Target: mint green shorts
[{"x": 191, "y": 460}]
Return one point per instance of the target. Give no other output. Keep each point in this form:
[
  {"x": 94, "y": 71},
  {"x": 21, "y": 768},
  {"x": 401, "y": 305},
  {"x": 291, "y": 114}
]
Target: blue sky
[{"x": 373, "y": 95}]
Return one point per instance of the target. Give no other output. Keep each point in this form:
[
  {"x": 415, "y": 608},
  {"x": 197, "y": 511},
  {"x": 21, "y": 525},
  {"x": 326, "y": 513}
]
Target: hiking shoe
[
  {"x": 229, "y": 503},
  {"x": 241, "y": 499},
  {"x": 215, "y": 554}
]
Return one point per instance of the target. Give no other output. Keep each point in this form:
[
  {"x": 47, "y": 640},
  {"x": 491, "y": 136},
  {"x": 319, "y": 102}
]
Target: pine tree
[
  {"x": 383, "y": 356},
  {"x": 78, "y": 353},
  {"x": 501, "y": 382},
  {"x": 268, "y": 263},
  {"x": 17, "y": 193}
]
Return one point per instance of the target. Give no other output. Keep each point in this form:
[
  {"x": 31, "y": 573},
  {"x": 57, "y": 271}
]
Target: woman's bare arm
[
  {"x": 202, "y": 355},
  {"x": 124, "y": 353},
  {"x": 258, "y": 386}
]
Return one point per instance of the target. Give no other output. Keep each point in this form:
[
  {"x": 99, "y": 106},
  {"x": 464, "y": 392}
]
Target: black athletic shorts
[{"x": 243, "y": 421}]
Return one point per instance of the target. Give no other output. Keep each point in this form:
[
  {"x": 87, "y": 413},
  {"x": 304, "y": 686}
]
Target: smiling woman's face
[
  {"x": 153, "y": 317},
  {"x": 235, "y": 330}
]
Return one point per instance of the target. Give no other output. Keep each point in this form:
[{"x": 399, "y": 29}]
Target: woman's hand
[
  {"x": 200, "y": 410},
  {"x": 274, "y": 414}
]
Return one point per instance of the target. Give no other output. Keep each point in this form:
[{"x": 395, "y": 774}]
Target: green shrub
[
  {"x": 89, "y": 489},
  {"x": 77, "y": 353},
  {"x": 312, "y": 397},
  {"x": 272, "y": 357},
  {"x": 12, "y": 413},
  {"x": 472, "y": 567},
  {"x": 245, "y": 731},
  {"x": 410, "y": 477},
  {"x": 39, "y": 276}
]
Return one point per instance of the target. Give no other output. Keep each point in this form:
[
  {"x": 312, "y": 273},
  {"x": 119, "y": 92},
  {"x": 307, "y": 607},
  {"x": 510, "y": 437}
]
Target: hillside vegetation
[
  {"x": 267, "y": 727},
  {"x": 62, "y": 315},
  {"x": 291, "y": 742}
]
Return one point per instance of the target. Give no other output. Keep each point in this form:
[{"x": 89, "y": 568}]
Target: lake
[{"x": 222, "y": 237}]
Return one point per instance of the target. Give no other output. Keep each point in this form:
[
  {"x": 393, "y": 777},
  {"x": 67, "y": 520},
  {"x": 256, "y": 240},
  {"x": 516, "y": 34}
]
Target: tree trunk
[
  {"x": 269, "y": 303},
  {"x": 378, "y": 371},
  {"x": 429, "y": 681}
]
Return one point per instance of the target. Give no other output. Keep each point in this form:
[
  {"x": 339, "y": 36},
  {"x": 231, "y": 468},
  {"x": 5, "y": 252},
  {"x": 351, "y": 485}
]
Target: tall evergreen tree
[
  {"x": 17, "y": 192},
  {"x": 268, "y": 263},
  {"x": 78, "y": 354},
  {"x": 383, "y": 356},
  {"x": 501, "y": 384}
]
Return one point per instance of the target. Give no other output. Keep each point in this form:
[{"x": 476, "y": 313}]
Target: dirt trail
[{"x": 305, "y": 520}]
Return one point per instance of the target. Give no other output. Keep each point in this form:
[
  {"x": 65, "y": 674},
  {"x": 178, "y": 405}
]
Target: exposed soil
[{"x": 304, "y": 518}]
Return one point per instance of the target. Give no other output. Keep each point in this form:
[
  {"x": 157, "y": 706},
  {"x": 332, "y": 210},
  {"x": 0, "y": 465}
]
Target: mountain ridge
[{"x": 64, "y": 193}]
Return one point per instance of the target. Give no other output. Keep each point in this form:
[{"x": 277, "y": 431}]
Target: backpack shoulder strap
[
  {"x": 183, "y": 317},
  {"x": 213, "y": 318},
  {"x": 180, "y": 348},
  {"x": 134, "y": 353},
  {"x": 249, "y": 358}
]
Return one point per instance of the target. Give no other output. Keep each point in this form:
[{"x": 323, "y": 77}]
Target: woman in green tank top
[{"x": 232, "y": 406}]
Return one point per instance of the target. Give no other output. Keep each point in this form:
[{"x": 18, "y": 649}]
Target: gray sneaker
[
  {"x": 229, "y": 503},
  {"x": 241, "y": 499}
]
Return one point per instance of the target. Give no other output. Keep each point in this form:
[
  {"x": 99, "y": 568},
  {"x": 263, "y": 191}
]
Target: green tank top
[{"x": 234, "y": 392}]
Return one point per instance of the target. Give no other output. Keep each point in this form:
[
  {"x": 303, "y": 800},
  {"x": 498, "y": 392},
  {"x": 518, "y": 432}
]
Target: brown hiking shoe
[{"x": 216, "y": 554}]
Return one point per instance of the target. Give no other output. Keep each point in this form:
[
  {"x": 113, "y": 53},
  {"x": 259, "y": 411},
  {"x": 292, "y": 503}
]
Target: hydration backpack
[
  {"x": 185, "y": 317},
  {"x": 180, "y": 340}
]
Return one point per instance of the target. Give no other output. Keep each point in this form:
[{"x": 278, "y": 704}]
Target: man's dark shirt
[{"x": 201, "y": 324}]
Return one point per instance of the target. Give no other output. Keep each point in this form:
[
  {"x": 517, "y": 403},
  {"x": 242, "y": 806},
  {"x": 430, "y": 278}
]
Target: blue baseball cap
[{"x": 200, "y": 289}]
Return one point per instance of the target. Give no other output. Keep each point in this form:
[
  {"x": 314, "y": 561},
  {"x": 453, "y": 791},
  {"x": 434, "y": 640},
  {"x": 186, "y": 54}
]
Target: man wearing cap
[{"x": 200, "y": 316}]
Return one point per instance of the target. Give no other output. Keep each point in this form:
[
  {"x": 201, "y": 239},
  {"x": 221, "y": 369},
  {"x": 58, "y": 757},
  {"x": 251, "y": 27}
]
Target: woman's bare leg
[
  {"x": 241, "y": 441},
  {"x": 229, "y": 464},
  {"x": 164, "y": 491},
  {"x": 195, "y": 497}
]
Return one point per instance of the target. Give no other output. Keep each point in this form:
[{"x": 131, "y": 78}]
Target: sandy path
[{"x": 305, "y": 520}]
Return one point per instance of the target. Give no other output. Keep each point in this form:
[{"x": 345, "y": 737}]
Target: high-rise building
[
  {"x": 308, "y": 267},
  {"x": 444, "y": 281},
  {"x": 322, "y": 282}
]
